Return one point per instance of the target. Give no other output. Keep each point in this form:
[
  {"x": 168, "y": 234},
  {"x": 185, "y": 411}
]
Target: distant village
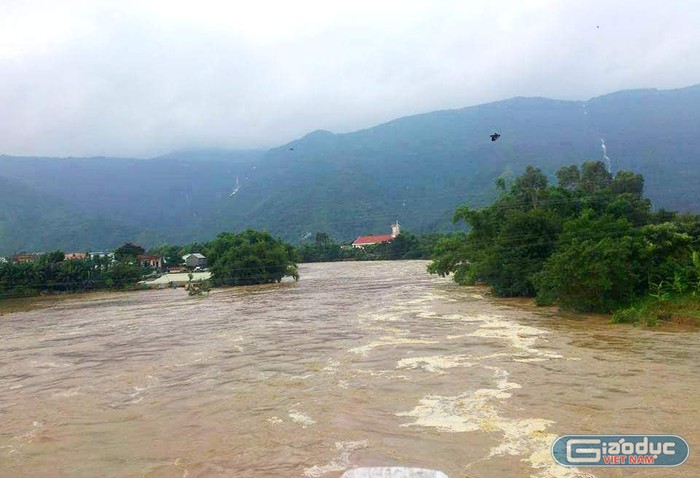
[
  {"x": 158, "y": 273},
  {"x": 194, "y": 261}
]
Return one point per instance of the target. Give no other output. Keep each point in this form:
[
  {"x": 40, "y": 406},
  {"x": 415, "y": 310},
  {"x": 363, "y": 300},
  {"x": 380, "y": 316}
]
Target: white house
[{"x": 195, "y": 260}]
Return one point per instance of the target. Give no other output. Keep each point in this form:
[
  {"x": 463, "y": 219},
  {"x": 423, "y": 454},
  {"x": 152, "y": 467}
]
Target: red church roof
[{"x": 366, "y": 240}]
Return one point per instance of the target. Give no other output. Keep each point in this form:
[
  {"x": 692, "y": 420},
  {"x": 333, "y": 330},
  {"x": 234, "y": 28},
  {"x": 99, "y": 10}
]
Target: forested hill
[{"x": 415, "y": 169}]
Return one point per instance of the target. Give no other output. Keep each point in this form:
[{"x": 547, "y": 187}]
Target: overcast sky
[{"x": 141, "y": 78}]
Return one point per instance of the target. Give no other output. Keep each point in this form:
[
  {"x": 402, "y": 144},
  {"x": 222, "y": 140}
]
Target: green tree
[
  {"x": 523, "y": 244},
  {"x": 627, "y": 182},
  {"x": 590, "y": 243},
  {"x": 122, "y": 275},
  {"x": 51, "y": 258},
  {"x": 128, "y": 252},
  {"x": 323, "y": 249},
  {"x": 250, "y": 257},
  {"x": 171, "y": 254},
  {"x": 569, "y": 177},
  {"x": 530, "y": 185},
  {"x": 594, "y": 176},
  {"x": 595, "y": 267}
]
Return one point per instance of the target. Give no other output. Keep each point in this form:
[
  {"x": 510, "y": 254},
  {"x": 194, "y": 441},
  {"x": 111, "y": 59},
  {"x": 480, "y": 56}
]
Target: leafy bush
[
  {"x": 250, "y": 257},
  {"x": 628, "y": 315}
]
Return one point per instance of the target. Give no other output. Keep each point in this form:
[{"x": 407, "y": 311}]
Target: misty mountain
[
  {"x": 414, "y": 169},
  {"x": 35, "y": 221}
]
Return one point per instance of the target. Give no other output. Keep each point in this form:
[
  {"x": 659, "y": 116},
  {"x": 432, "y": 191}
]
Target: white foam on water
[
  {"x": 382, "y": 374},
  {"x": 342, "y": 462},
  {"x": 451, "y": 414},
  {"x": 460, "y": 318},
  {"x": 386, "y": 317},
  {"x": 50, "y": 364},
  {"x": 426, "y": 314},
  {"x": 421, "y": 300},
  {"x": 71, "y": 392},
  {"x": 301, "y": 418},
  {"x": 331, "y": 366},
  {"x": 521, "y": 337},
  {"x": 388, "y": 341},
  {"x": 469, "y": 411},
  {"x": 478, "y": 411},
  {"x": 435, "y": 363},
  {"x": 530, "y": 437}
]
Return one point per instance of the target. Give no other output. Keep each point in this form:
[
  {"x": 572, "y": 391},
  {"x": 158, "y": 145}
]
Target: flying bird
[{"x": 495, "y": 136}]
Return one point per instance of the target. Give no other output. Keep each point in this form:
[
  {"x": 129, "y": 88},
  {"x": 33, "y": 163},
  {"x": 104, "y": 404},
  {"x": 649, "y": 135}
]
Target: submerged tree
[{"x": 250, "y": 257}]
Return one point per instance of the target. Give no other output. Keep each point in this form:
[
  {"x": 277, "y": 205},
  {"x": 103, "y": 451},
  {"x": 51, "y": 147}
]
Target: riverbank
[
  {"x": 25, "y": 304},
  {"x": 652, "y": 311},
  {"x": 683, "y": 311}
]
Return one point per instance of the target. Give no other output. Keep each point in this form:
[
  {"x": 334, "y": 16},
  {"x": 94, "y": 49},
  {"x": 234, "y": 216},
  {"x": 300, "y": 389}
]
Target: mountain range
[{"x": 415, "y": 169}]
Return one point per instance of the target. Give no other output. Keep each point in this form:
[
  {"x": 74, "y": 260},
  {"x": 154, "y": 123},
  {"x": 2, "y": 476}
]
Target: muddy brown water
[{"x": 357, "y": 364}]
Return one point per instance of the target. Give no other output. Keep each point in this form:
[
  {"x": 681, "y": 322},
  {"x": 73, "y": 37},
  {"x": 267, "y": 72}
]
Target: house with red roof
[
  {"x": 363, "y": 241},
  {"x": 75, "y": 256}
]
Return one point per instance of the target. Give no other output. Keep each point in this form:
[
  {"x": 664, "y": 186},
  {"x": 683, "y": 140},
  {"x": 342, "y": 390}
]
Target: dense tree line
[
  {"x": 245, "y": 258},
  {"x": 589, "y": 243},
  {"x": 404, "y": 246},
  {"x": 51, "y": 273}
]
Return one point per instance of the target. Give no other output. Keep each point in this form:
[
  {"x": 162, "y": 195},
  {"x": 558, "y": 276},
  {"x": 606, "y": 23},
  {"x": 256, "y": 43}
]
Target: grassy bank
[{"x": 681, "y": 309}]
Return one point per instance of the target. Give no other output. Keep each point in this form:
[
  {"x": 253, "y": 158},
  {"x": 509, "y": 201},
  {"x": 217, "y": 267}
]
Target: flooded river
[{"x": 357, "y": 364}]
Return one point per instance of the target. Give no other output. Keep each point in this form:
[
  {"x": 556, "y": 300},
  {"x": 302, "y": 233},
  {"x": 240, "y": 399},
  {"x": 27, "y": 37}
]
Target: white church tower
[{"x": 395, "y": 229}]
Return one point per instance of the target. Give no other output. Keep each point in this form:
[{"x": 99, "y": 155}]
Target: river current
[{"x": 357, "y": 364}]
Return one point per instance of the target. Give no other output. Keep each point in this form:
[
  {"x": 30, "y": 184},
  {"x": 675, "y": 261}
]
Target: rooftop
[{"x": 373, "y": 239}]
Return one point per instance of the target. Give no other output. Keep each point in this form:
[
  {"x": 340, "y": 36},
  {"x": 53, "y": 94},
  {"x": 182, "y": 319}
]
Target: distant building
[
  {"x": 75, "y": 256},
  {"x": 195, "y": 260},
  {"x": 150, "y": 260},
  {"x": 99, "y": 254},
  {"x": 19, "y": 258},
  {"x": 363, "y": 241}
]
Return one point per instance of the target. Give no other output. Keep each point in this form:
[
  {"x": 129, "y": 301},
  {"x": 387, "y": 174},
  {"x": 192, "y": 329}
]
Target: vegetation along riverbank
[{"x": 589, "y": 243}]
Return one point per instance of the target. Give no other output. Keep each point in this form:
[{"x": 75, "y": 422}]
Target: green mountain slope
[
  {"x": 414, "y": 169},
  {"x": 32, "y": 221}
]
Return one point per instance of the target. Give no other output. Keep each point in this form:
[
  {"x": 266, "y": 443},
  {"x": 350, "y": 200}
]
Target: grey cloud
[{"x": 128, "y": 80}]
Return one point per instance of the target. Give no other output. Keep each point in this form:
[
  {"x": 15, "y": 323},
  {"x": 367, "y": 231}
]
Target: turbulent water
[{"x": 357, "y": 364}]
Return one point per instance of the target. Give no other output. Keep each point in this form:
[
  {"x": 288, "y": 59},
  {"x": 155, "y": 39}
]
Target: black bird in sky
[{"x": 495, "y": 136}]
